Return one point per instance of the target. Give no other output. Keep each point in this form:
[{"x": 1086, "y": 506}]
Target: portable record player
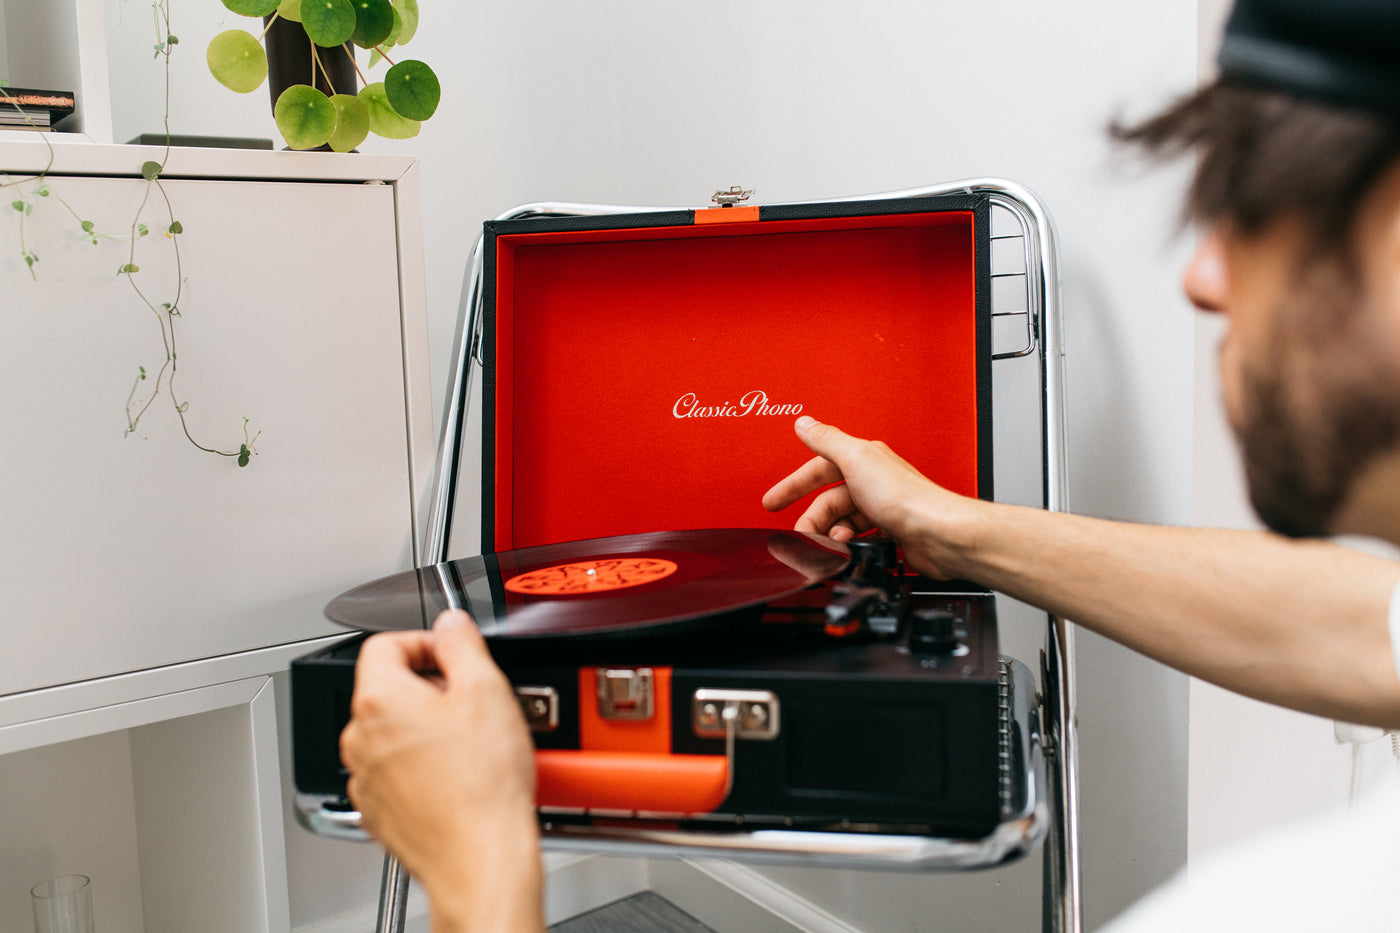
[
  {"x": 693, "y": 673},
  {"x": 730, "y": 675}
]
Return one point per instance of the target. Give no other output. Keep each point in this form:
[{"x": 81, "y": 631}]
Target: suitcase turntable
[
  {"x": 640, "y": 370},
  {"x": 733, "y": 676}
]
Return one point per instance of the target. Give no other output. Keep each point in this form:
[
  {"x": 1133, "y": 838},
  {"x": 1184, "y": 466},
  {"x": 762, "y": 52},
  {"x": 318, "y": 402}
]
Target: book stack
[{"x": 25, "y": 109}]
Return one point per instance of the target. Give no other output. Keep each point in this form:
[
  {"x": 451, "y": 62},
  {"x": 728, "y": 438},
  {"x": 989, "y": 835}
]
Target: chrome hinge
[
  {"x": 540, "y": 706},
  {"x": 735, "y": 195},
  {"x": 753, "y": 712},
  {"x": 625, "y": 692}
]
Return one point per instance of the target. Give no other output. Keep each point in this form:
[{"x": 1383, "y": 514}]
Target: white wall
[
  {"x": 35, "y": 66},
  {"x": 632, "y": 102}
]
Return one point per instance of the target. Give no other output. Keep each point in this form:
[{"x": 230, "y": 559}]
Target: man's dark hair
[{"x": 1264, "y": 155}]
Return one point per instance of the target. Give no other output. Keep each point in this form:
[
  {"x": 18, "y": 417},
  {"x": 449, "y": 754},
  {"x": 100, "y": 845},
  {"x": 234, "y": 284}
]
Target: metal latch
[
  {"x": 625, "y": 692},
  {"x": 753, "y": 712},
  {"x": 735, "y": 195},
  {"x": 541, "y": 707}
]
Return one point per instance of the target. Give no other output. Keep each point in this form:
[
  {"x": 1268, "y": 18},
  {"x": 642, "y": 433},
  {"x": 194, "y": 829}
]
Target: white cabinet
[{"x": 151, "y": 588}]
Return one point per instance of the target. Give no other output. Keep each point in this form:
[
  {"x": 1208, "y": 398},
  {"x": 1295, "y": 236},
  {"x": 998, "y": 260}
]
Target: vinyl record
[{"x": 601, "y": 586}]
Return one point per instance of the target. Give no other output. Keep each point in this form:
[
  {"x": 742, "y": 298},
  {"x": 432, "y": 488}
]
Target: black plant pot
[{"x": 289, "y": 62}]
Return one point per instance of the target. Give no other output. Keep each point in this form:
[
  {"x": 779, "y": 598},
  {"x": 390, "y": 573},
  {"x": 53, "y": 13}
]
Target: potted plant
[{"x": 314, "y": 109}]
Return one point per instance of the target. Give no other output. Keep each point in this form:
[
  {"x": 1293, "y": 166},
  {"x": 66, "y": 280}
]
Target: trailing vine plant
[
  {"x": 144, "y": 389},
  {"x": 24, "y": 202},
  {"x": 308, "y": 119}
]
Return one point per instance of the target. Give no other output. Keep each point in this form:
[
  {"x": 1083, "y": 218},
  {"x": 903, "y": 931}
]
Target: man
[{"x": 1299, "y": 183}]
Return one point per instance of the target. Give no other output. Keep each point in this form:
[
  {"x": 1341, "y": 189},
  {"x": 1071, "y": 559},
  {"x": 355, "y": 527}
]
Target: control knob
[{"x": 933, "y": 631}]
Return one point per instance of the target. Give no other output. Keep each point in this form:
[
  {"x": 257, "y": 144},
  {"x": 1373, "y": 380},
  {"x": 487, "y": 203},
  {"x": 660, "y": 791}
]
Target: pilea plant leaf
[
  {"x": 237, "y": 61},
  {"x": 351, "y": 123},
  {"x": 290, "y": 9},
  {"x": 374, "y": 20},
  {"x": 412, "y": 89},
  {"x": 305, "y": 117},
  {"x": 383, "y": 119},
  {"x": 252, "y": 7},
  {"x": 408, "y": 11},
  {"x": 393, "y": 38},
  {"x": 328, "y": 22}
]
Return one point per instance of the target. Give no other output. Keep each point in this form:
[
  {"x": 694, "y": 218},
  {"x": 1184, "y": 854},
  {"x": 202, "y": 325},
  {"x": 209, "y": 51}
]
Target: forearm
[
  {"x": 1299, "y": 623},
  {"x": 500, "y": 891}
]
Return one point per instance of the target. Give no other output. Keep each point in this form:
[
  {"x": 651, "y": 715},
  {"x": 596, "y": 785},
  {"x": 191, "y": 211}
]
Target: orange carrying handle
[{"x": 631, "y": 781}]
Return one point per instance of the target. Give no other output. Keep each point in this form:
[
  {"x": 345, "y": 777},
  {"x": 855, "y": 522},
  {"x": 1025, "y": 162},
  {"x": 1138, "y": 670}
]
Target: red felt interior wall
[{"x": 640, "y": 374}]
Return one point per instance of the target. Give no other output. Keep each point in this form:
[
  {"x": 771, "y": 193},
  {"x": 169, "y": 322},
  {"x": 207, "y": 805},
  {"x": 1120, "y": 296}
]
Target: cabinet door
[{"x": 123, "y": 553}]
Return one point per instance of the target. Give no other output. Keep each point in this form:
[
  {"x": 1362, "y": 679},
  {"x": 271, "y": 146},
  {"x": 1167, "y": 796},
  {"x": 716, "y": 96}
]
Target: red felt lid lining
[{"x": 646, "y": 379}]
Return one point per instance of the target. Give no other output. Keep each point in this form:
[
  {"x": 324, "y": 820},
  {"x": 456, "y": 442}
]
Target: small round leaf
[
  {"x": 305, "y": 117},
  {"x": 150, "y": 170},
  {"x": 351, "y": 124},
  {"x": 413, "y": 90},
  {"x": 328, "y": 22},
  {"x": 408, "y": 10},
  {"x": 393, "y": 38},
  {"x": 374, "y": 20},
  {"x": 252, "y": 7},
  {"x": 383, "y": 120},
  {"x": 237, "y": 61},
  {"x": 290, "y": 9}
]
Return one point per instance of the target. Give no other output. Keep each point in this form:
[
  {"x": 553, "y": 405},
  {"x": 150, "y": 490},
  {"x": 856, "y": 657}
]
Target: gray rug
[{"x": 646, "y": 912}]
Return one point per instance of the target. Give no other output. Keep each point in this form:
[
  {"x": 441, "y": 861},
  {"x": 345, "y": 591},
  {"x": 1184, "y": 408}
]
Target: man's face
[{"x": 1310, "y": 365}]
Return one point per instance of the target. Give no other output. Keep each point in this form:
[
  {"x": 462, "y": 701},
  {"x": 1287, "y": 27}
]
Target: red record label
[{"x": 591, "y": 576}]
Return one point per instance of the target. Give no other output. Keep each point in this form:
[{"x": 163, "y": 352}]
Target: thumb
[
  {"x": 825, "y": 440},
  {"x": 458, "y": 646}
]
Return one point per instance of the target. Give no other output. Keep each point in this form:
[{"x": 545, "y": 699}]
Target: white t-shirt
[{"x": 1338, "y": 872}]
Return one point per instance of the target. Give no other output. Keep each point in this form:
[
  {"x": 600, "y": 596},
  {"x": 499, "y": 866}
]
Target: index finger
[{"x": 811, "y": 476}]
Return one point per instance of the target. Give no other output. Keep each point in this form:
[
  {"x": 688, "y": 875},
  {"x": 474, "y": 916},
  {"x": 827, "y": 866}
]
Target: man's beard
[{"x": 1301, "y": 460}]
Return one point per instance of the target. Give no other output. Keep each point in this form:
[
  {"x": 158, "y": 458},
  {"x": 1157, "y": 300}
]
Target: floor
[{"x": 646, "y": 912}]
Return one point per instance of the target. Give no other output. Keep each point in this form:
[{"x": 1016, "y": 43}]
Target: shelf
[
  {"x": 60, "y": 45},
  {"x": 165, "y": 588},
  {"x": 171, "y": 804},
  {"x": 299, "y": 292}
]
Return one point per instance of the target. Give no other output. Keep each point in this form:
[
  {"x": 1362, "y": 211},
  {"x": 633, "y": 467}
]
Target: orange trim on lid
[{"x": 726, "y": 215}]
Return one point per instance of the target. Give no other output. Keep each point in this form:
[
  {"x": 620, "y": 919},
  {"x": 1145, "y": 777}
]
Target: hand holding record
[{"x": 442, "y": 772}]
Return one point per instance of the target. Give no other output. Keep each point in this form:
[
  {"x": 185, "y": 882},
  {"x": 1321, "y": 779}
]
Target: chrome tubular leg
[
  {"x": 393, "y": 898},
  {"x": 1063, "y": 897}
]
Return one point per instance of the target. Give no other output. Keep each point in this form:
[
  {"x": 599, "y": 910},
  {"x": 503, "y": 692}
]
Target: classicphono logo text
[{"x": 752, "y": 403}]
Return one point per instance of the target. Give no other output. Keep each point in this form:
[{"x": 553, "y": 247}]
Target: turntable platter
[{"x": 601, "y": 586}]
